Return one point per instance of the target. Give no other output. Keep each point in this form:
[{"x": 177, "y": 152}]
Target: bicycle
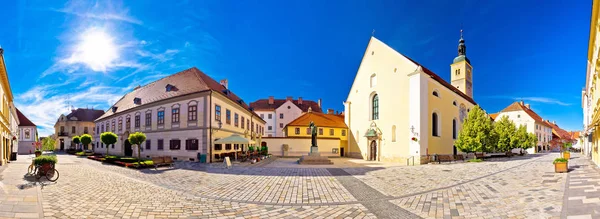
[{"x": 50, "y": 173}]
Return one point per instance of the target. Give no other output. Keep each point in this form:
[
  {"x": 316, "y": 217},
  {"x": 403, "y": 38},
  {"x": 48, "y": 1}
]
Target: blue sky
[{"x": 89, "y": 54}]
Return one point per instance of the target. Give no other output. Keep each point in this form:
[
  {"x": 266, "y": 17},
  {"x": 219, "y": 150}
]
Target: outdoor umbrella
[{"x": 234, "y": 139}]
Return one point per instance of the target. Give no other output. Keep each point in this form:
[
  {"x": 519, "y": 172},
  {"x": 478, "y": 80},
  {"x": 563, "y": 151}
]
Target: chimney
[
  {"x": 137, "y": 87},
  {"x": 342, "y": 113},
  {"x": 528, "y": 106},
  {"x": 329, "y": 111},
  {"x": 290, "y": 98},
  {"x": 522, "y": 103},
  {"x": 271, "y": 100},
  {"x": 319, "y": 103},
  {"x": 224, "y": 83},
  {"x": 554, "y": 122},
  {"x": 299, "y": 100},
  {"x": 310, "y": 109}
]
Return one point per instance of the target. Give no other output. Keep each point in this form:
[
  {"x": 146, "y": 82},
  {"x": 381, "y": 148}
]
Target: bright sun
[{"x": 95, "y": 49}]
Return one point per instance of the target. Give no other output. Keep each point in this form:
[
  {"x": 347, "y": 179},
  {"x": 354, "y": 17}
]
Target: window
[
  {"x": 235, "y": 120},
  {"x": 308, "y": 131},
  {"x": 320, "y": 131},
  {"x": 113, "y": 146},
  {"x": 252, "y": 127},
  {"x": 97, "y": 129},
  {"x": 148, "y": 119},
  {"x": 73, "y": 129},
  {"x": 228, "y": 116},
  {"x": 281, "y": 115},
  {"x": 148, "y": 144},
  {"x": 236, "y": 146},
  {"x": 217, "y": 113},
  {"x": 297, "y": 131},
  {"x": 434, "y": 124},
  {"x": 27, "y": 133},
  {"x": 85, "y": 130},
  {"x": 137, "y": 121},
  {"x": 248, "y": 124},
  {"x": 160, "y": 145},
  {"x": 454, "y": 103},
  {"x": 393, "y": 133},
  {"x": 270, "y": 116},
  {"x": 120, "y": 124},
  {"x": 175, "y": 115},
  {"x": 227, "y": 146},
  {"x": 127, "y": 123},
  {"x": 218, "y": 147},
  {"x": 113, "y": 126},
  {"x": 102, "y": 128},
  {"x": 160, "y": 117},
  {"x": 62, "y": 129},
  {"x": 331, "y": 132},
  {"x": 262, "y": 116},
  {"x": 435, "y": 93},
  {"x": 343, "y": 132},
  {"x": 102, "y": 145},
  {"x": 454, "y": 129},
  {"x": 270, "y": 128},
  {"x": 192, "y": 113},
  {"x": 375, "y": 109},
  {"x": 518, "y": 116},
  {"x": 373, "y": 80},
  {"x": 280, "y": 125},
  {"x": 175, "y": 144},
  {"x": 191, "y": 144},
  {"x": 243, "y": 122}
]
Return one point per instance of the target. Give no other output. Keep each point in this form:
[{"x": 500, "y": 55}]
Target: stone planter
[{"x": 561, "y": 167}]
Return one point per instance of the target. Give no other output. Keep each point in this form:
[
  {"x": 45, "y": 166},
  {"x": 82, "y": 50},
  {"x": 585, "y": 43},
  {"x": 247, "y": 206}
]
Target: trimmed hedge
[{"x": 560, "y": 160}]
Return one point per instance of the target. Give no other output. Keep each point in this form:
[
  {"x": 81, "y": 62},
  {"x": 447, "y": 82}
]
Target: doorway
[
  {"x": 128, "y": 149},
  {"x": 62, "y": 145},
  {"x": 341, "y": 152},
  {"x": 455, "y": 151},
  {"x": 373, "y": 154}
]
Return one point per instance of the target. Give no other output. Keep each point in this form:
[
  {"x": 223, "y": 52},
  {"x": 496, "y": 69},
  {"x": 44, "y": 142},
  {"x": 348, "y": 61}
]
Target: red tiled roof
[
  {"x": 87, "y": 115},
  {"x": 442, "y": 81},
  {"x": 516, "y": 106},
  {"x": 494, "y": 115},
  {"x": 263, "y": 104},
  {"x": 320, "y": 120},
  {"x": 23, "y": 120},
  {"x": 558, "y": 132},
  {"x": 185, "y": 82}
]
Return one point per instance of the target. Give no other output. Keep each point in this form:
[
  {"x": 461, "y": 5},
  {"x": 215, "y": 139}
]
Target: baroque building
[
  {"x": 522, "y": 114},
  {"x": 398, "y": 110},
  {"x": 27, "y": 134},
  {"x": 591, "y": 93},
  {"x": 9, "y": 123},
  {"x": 279, "y": 112},
  {"x": 80, "y": 121},
  {"x": 182, "y": 116}
]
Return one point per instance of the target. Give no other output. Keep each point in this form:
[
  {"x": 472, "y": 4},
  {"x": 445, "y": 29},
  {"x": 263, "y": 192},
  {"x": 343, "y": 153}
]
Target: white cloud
[
  {"x": 100, "y": 16},
  {"x": 543, "y": 100}
]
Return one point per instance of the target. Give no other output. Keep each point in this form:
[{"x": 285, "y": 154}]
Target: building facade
[
  {"x": 397, "y": 110},
  {"x": 181, "y": 115},
  {"x": 9, "y": 123},
  {"x": 330, "y": 126},
  {"x": 591, "y": 93},
  {"x": 27, "y": 134},
  {"x": 279, "y": 112},
  {"x": 76, "y": 123},
  {"x": 522, "y": 115}
]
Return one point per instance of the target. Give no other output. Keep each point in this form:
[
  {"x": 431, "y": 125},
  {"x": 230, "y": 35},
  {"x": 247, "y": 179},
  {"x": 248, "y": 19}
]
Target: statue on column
[{"x": 313, "y": 131}]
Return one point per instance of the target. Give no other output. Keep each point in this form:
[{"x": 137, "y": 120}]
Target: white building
[
  {"x": 586, "y": 144},
  {"x": 279, "y": 112},
  {"x": 181, "y": 115},
  {"x": 522, "y": 114},
  {"x": 27, "y": 134}
]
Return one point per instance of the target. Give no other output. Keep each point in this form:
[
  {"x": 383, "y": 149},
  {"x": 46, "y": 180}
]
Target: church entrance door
[{"x": 373, "y": 154}]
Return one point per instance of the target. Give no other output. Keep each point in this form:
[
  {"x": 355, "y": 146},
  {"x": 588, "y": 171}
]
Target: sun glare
[{"x": 95, "y": 49}]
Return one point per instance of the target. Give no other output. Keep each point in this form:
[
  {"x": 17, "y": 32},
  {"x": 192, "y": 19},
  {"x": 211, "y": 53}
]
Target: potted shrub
[
  {"x": 45, "y": 162},
  {"x": 566, "y": 155},
  {"x": 38, "y": 152},
  {"x": 561, "y": 165}
]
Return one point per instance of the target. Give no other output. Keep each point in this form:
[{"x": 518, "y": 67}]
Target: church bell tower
[{"x": 461, "y": 69}]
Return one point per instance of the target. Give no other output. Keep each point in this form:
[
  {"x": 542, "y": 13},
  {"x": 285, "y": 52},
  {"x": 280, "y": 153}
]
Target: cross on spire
[{"x": 373, "y": 33}]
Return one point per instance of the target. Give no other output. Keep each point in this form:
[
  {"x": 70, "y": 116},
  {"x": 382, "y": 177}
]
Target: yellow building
[
  {"x": 330, "y": 126},
  {"x": 9, "y": 123},
  {"x": 399, "y": 111},
  {"x": 590, "y": 96}
]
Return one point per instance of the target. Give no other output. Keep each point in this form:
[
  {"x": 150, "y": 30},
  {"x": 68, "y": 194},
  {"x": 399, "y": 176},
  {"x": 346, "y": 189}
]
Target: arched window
[
  {"x": 434, "y": 124},
  {"x": 435, "y": 93},
  {"x": 393, "y": 133},
  {"x": 454, "y": 103},
  {"x": 375, "y": 109},
  {"x": 373, "y": 80},
  {"x": 454, "y": 129}
]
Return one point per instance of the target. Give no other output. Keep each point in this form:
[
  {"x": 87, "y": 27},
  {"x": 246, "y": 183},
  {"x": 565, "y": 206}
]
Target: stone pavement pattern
[
  {"x": 521, "y": 187},
  {"x": 582, "y": 198},
  {"x": 18, "y": 197}
]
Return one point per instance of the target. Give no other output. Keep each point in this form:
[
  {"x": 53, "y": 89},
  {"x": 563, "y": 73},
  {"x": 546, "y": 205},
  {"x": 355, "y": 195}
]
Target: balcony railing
[{"x": 62, "y": 134}]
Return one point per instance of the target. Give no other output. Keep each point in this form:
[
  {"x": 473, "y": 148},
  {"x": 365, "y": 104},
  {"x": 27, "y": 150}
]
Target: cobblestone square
[{"x": 518, "y": 187}]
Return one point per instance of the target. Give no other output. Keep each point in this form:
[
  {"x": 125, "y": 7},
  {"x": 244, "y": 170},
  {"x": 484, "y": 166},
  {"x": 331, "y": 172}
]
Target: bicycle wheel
[
  {"x": 52, "y": 175},
  {"x": 31, "y": 169}
]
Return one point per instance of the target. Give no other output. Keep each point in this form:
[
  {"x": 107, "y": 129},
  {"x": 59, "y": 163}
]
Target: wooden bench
[
  {"x": 459, "y": 157},
  {"x": 162, "y": 161},
  {"x": 444, "y": 158},
  {"x": 479, "y": 156}
]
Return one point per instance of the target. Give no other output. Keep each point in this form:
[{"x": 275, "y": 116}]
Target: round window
[{"x": 289, "y": 107}]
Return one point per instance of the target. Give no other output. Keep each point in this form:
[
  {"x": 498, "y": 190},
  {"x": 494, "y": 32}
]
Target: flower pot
[
  {"x": 561, "y": 167},
  {"x": 38, "y": 153},
  {"x": 566, "y": 155}
]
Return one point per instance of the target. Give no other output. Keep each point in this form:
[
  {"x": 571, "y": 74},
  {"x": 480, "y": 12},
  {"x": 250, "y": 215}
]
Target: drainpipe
[{"x": 209, "y": 155}]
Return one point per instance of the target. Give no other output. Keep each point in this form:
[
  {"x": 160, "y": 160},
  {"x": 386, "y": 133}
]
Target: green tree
[
  {"x": 531, "y": 141},
  {"x": 137, "y": 138},
  {"x": 85, "y": 139},
  {"x": 521, "y": 138},
  {"x": 76, "y": 140},
  {"x": 108, "y": 138},
  {"x": 48, "y": 144},
  {"x": 477, "y": 133},
  {"x": 504, "y": 129}
]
